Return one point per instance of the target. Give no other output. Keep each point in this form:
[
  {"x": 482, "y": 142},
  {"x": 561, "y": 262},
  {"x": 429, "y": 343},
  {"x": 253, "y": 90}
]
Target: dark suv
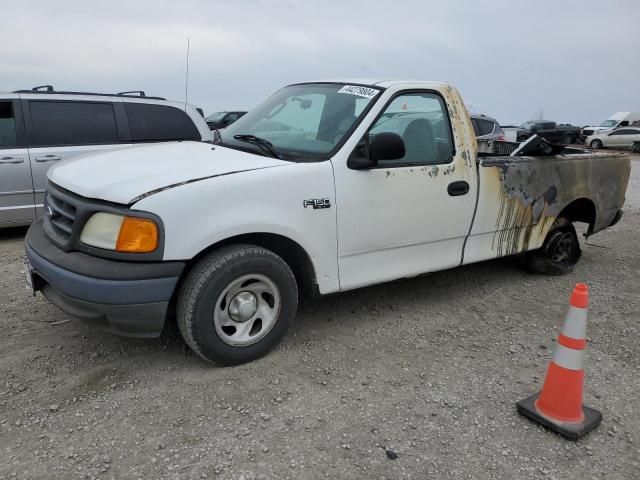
[{"x": 551, "y": 131}]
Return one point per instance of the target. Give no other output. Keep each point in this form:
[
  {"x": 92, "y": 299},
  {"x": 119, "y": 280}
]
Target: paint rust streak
[{"x": 516, "y": 229}]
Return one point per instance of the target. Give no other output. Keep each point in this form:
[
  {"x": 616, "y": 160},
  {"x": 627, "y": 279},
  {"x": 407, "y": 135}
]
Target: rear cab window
[{"x": 157, "y": 123}]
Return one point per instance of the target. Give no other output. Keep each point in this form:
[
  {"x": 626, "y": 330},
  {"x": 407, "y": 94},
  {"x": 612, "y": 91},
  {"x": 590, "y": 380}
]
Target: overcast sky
[{"x": 576, "y": 61}]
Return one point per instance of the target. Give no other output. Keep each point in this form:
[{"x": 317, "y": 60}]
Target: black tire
[
  {"x": 635, "y": 148},
  {"x": 559, "y": 253},
  {"x": 568, "y": 139},
  {"x": 205, "y": 284},
  {"x": 521, "y": 138},
  {"x": 596, "y": 144}
]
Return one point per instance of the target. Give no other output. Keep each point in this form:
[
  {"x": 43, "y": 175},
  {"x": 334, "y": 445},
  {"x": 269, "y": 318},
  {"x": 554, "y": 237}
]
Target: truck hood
[{"x": 123, "y": 175}]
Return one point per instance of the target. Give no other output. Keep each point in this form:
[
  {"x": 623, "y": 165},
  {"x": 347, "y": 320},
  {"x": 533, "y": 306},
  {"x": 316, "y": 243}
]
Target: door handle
[
  {"x": 11, "y": 160},
  {"x": 458, "y": 188},
  {"x": 48, "y": 158}
]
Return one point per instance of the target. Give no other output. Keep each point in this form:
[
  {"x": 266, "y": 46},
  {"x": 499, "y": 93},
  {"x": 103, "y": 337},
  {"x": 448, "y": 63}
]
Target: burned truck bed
[{"x": 523, "y": 195}]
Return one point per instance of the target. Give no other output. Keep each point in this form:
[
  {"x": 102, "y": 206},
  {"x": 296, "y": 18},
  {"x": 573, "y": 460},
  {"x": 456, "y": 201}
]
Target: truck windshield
[
  {"x": 609, "y": 123},
  {"x": 303, "y": 122}
]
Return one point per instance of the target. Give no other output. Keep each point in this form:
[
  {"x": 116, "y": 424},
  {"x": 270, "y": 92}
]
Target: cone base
[{"x": 573, "y": 431}]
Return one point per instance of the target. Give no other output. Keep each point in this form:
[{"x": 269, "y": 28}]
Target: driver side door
[{"x": 407, "y": 216}]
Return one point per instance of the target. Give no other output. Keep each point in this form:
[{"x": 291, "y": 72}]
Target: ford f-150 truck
[{"x": 324, "y": 187}]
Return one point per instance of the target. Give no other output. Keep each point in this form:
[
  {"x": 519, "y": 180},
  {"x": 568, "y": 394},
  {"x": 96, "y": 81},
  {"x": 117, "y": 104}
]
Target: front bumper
[{"x": 125, "y": 298}]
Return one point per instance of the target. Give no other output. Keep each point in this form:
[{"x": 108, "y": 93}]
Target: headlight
[{"x": 120, "y": 233}]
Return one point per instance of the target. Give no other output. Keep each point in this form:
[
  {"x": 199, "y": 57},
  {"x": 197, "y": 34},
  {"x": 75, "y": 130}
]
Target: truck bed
[{"x": 520, "y": 197}]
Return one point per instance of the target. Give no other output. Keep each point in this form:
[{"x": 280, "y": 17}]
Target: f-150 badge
[{"x": 317, "y": 203}]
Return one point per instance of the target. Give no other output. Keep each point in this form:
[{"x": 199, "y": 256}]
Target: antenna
[{"x": 186, "y": 80}]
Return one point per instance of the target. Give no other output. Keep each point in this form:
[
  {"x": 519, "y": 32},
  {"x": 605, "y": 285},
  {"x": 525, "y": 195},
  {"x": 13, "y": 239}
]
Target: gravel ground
[{"x": 412, "y": 379}]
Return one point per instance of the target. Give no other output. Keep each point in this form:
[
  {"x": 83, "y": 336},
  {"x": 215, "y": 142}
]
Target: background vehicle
[
  {"x": 618, "y": 119},
  {"x": 40, "y": 127},
  {"x": 623, "y": 137},
  {"x": 486, "y": 128},
  {"x": 550, "y": 131},
  {"x": 221, "y": 120},
  {"x": 369, "y": 183}
]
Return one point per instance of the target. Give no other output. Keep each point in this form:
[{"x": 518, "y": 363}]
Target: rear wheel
[
  {"x": 596, "y": 144},
  {"x": 236, "y": 304},
  {"x": 559, "y": 253}
]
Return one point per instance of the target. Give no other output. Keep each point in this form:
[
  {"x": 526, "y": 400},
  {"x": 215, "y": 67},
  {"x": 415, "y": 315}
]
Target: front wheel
[
  {"x": 559, "y": 253},
  {"x": 635, "y": 148},
  {"x": 236, "y": 304},
  {"x": 595, "y": 144}
]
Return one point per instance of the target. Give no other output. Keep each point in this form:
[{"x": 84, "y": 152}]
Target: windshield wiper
[{"x": 265, "y": 145}]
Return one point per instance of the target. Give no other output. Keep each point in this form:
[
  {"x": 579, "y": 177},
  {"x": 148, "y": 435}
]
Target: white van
[{"x": 618, "y": 119}]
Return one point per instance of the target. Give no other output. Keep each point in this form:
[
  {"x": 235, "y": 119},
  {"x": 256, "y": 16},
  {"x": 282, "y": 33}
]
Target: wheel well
[
  {"x": 580, "y": 210},
  {"x": 291, "y": 252}
]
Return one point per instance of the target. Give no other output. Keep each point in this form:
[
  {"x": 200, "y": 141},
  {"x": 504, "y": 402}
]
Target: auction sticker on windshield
[{"x": 359, "y": 91}]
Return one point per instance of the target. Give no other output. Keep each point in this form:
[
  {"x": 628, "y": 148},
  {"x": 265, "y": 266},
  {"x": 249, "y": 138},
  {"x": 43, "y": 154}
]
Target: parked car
[
  {"x": 486, "y": 128},
  {"x": 551, "y": 131},
  {"x": 231, "y": 235},
  {"x": 624, "y": 137},
  {"x": 220, "y": 120},
  {"x": 617, "y": 120},
  {"x": 41, "y": 127}
]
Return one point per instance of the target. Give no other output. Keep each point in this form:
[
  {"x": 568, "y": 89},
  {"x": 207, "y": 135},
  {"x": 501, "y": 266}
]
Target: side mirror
[
  {"x": 370, "y": 150},
  {"x": 386, "y": 146}
]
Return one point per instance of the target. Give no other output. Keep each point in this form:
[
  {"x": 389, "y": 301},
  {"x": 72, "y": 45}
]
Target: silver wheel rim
[{"x": 246, "y": 310}]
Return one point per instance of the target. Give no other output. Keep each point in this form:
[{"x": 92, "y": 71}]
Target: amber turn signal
[{"x": 137, "y": 235}]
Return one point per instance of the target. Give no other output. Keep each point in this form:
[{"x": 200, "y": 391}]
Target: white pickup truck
[{"x": 324, "y": 187}]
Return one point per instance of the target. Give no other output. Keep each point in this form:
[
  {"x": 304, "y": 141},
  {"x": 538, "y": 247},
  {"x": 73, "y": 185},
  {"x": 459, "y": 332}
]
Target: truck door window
[
  {"x": 422, "y": 121},
  {"x": 159, "y": 123},
  {"x": 58, "y": 123},
  {"x": 7, "y": 126}
]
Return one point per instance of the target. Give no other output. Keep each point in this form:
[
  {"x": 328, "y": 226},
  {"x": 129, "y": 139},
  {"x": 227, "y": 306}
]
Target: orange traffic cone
[{"x": 559, "y": 405}]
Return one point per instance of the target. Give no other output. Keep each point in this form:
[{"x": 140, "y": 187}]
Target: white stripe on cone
[
  {"x": 575, "y": 323},
  {"x": 568, "y": 357}
]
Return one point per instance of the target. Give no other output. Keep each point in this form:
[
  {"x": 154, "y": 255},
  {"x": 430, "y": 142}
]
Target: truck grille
[
  {"x": 60, "y": 216},
  {"x": 587, "y": 132},
  {"x": 64, "y": 215}
]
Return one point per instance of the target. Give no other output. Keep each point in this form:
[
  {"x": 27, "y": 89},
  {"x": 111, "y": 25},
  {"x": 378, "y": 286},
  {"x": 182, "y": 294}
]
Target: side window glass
[
  {"x": 58, "y": 123},
  {"x": 7, "y": 125},
  {"x": 158, "y": 123},
  {"x": 421, "y": 120},
  {"x": 485, "y": 127}
]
